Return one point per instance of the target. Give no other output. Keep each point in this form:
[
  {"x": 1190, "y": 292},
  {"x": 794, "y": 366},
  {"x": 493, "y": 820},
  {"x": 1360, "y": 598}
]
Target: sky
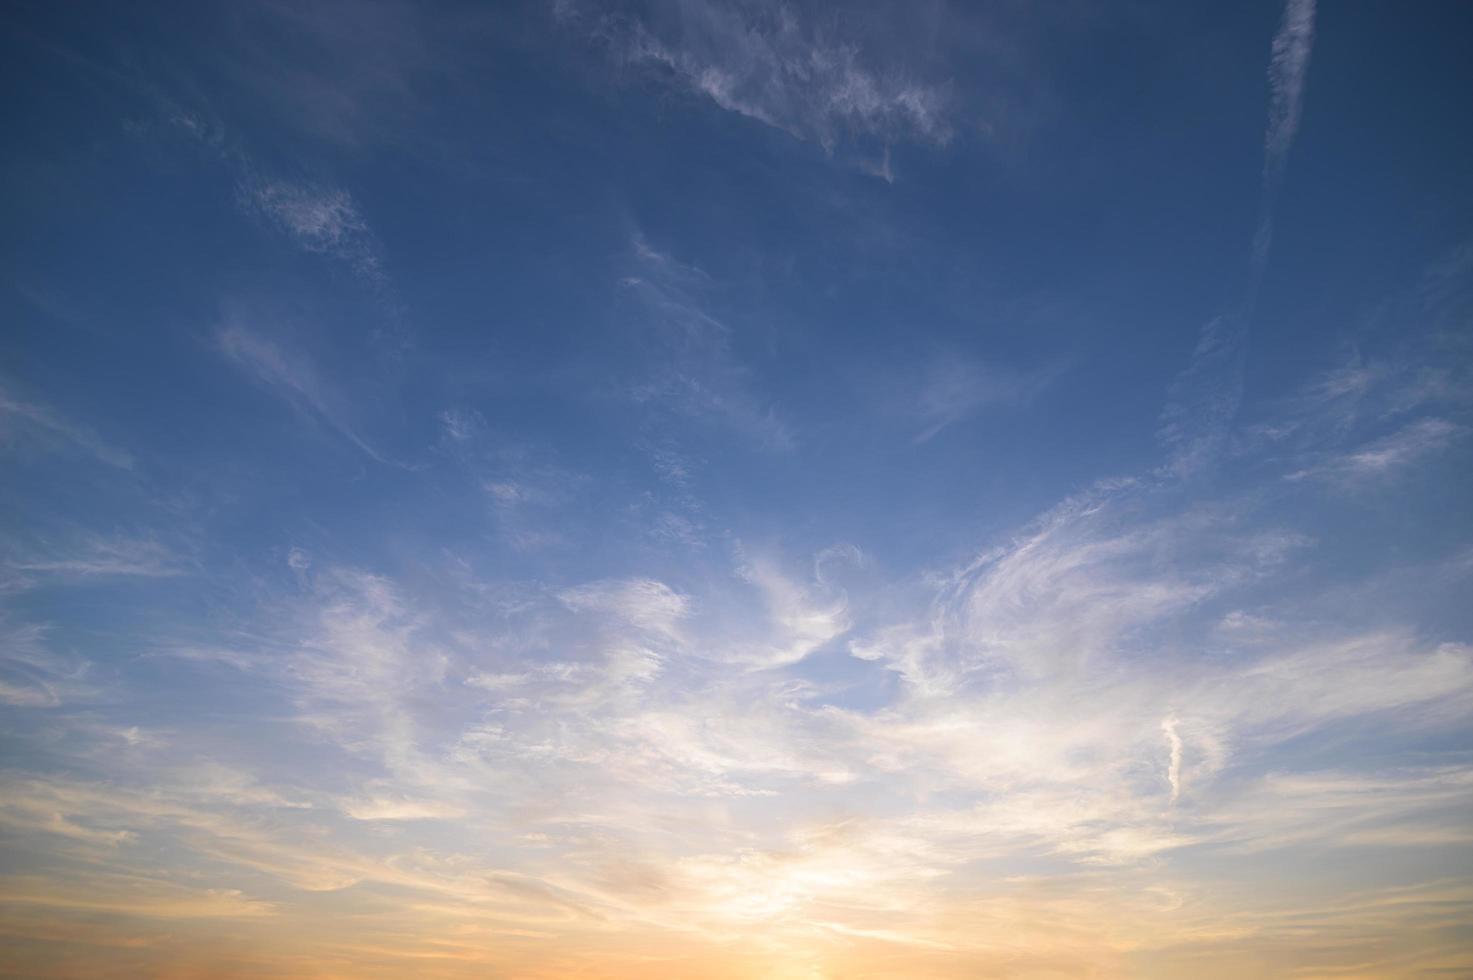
[{"x": 736, "y": 489}]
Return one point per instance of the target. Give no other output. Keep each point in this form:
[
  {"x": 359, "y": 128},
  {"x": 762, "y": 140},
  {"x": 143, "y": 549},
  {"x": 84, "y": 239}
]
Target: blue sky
[{"x": 736, "y": 489}]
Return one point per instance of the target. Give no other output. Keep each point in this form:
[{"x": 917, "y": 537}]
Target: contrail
[
  {"x": 1288, "y": 67},
  {"x": 1204, "y": 399},
  {"x": 1173, "y": 767}
]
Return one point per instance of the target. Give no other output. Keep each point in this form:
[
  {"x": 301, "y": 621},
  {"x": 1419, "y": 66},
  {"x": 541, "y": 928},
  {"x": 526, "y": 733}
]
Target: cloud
[
  {"x": 1203, "y": 400},
  {"x": 134, "y": 896},
  {"x": 293, "y": 377},
  {"x": 393, "y": 808},
  {"x": 323, "y": 220},
  {"x": 358, "y": 661},
  {"x": 767, "y": 63},
  {"x": 1032, "y": 678},
  {"x": 802, "y": 618},
  {"x": 645, "y": 604},
  {"x": 955, "y": 388},
  {"x": 1398, "y": 449},
  {"x": 41, "y": 424},
  {"x": 1288, "y": 67},
  {"x": 530, "y": 493},
  {"x": 1382, "y": 458},
  {"x": 1287, "y": 70},
  {"x": 612, "y": 741},
  {"x": 32, "y": 675},
  {"x": 1173, "y": 767},
  {"x": 104, "y": 555},
  {"x": 696, "y": 373},
  {"x": 1108, "y": 740},
  {"x": 1362, "y": 422},
  {"x": 460, "y": 425},
  {"x": 317, "y": 216}
]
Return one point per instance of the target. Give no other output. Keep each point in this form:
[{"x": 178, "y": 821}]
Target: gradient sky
[{"x": 729, "y": 488}]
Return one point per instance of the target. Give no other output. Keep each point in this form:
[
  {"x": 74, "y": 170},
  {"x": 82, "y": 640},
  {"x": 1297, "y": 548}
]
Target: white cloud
[
  {"x": 802, "y": 618},
  {"x": 766, "y": 63},
  {"x": 1385, "y": 457},
  {"x": 395, "y": 808},
  {"x": 298, "y": 560},
  {"x": 325, "y": 220},
  {"x": 1173, "y": 767},
  {"x": 1288, "y": 67},
  {"x": 505, "y": 492},
  {"x": 645, "y": 604},
  {"x": 461, "y": 425},
  {"x": 613, "y": 740}
]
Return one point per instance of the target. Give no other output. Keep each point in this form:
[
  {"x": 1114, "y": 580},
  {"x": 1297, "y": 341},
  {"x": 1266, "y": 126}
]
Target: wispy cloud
[
  {"x": 1287, "y": 70},
  {"x": 371, "y": 739},
  {"x": 32, "y": 675},
  {"x": 324, "y": 220},
  {"x": 529, "y": 491},
  {"x": 955, "y": 388},
  {"x": 135, "y": 896},
  {"x": 803, "y": 617},
  {"x": 697, "y": 374},
  {"x": 317, "y": 216},
  {"x": 461, "y": 425},
  {"x": 293, "y": 377},
  {"x": 767, "y": 62},
  {"x": 614, "y": 737},
  {"x": 41, "y": 424},
  {"x": 1204, "y": 398},
  {"x": 1383, "y": 457},
  {"x": 1362, "y": 421},
  {"x": 642, "y": 603},
  {"x": 102, "y": 555},
  {"x": 395, "y": 808}
]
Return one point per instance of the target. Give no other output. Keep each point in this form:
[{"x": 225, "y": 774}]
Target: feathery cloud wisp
[
  {"x": 324, "y": 220},
  {"x": 767, "y": 64},
  {"x": 1205, "y": 396},
  {"x": 43, "y": 424},
  {"x": 293, "y": 377},
  {"x": 1288, "y": 67}
]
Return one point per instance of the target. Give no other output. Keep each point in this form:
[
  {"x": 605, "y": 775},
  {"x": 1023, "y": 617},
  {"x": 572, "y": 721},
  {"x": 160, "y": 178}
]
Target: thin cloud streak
[
  {"x": 767, "y": 65},
  {"x": 1206, "y": 395},
  {"x": 44, "y": 424},
  {"x": 294, "y": 378},
  {"x": 1287, "y": 71},
  {"x": 697, "y": 374}
]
